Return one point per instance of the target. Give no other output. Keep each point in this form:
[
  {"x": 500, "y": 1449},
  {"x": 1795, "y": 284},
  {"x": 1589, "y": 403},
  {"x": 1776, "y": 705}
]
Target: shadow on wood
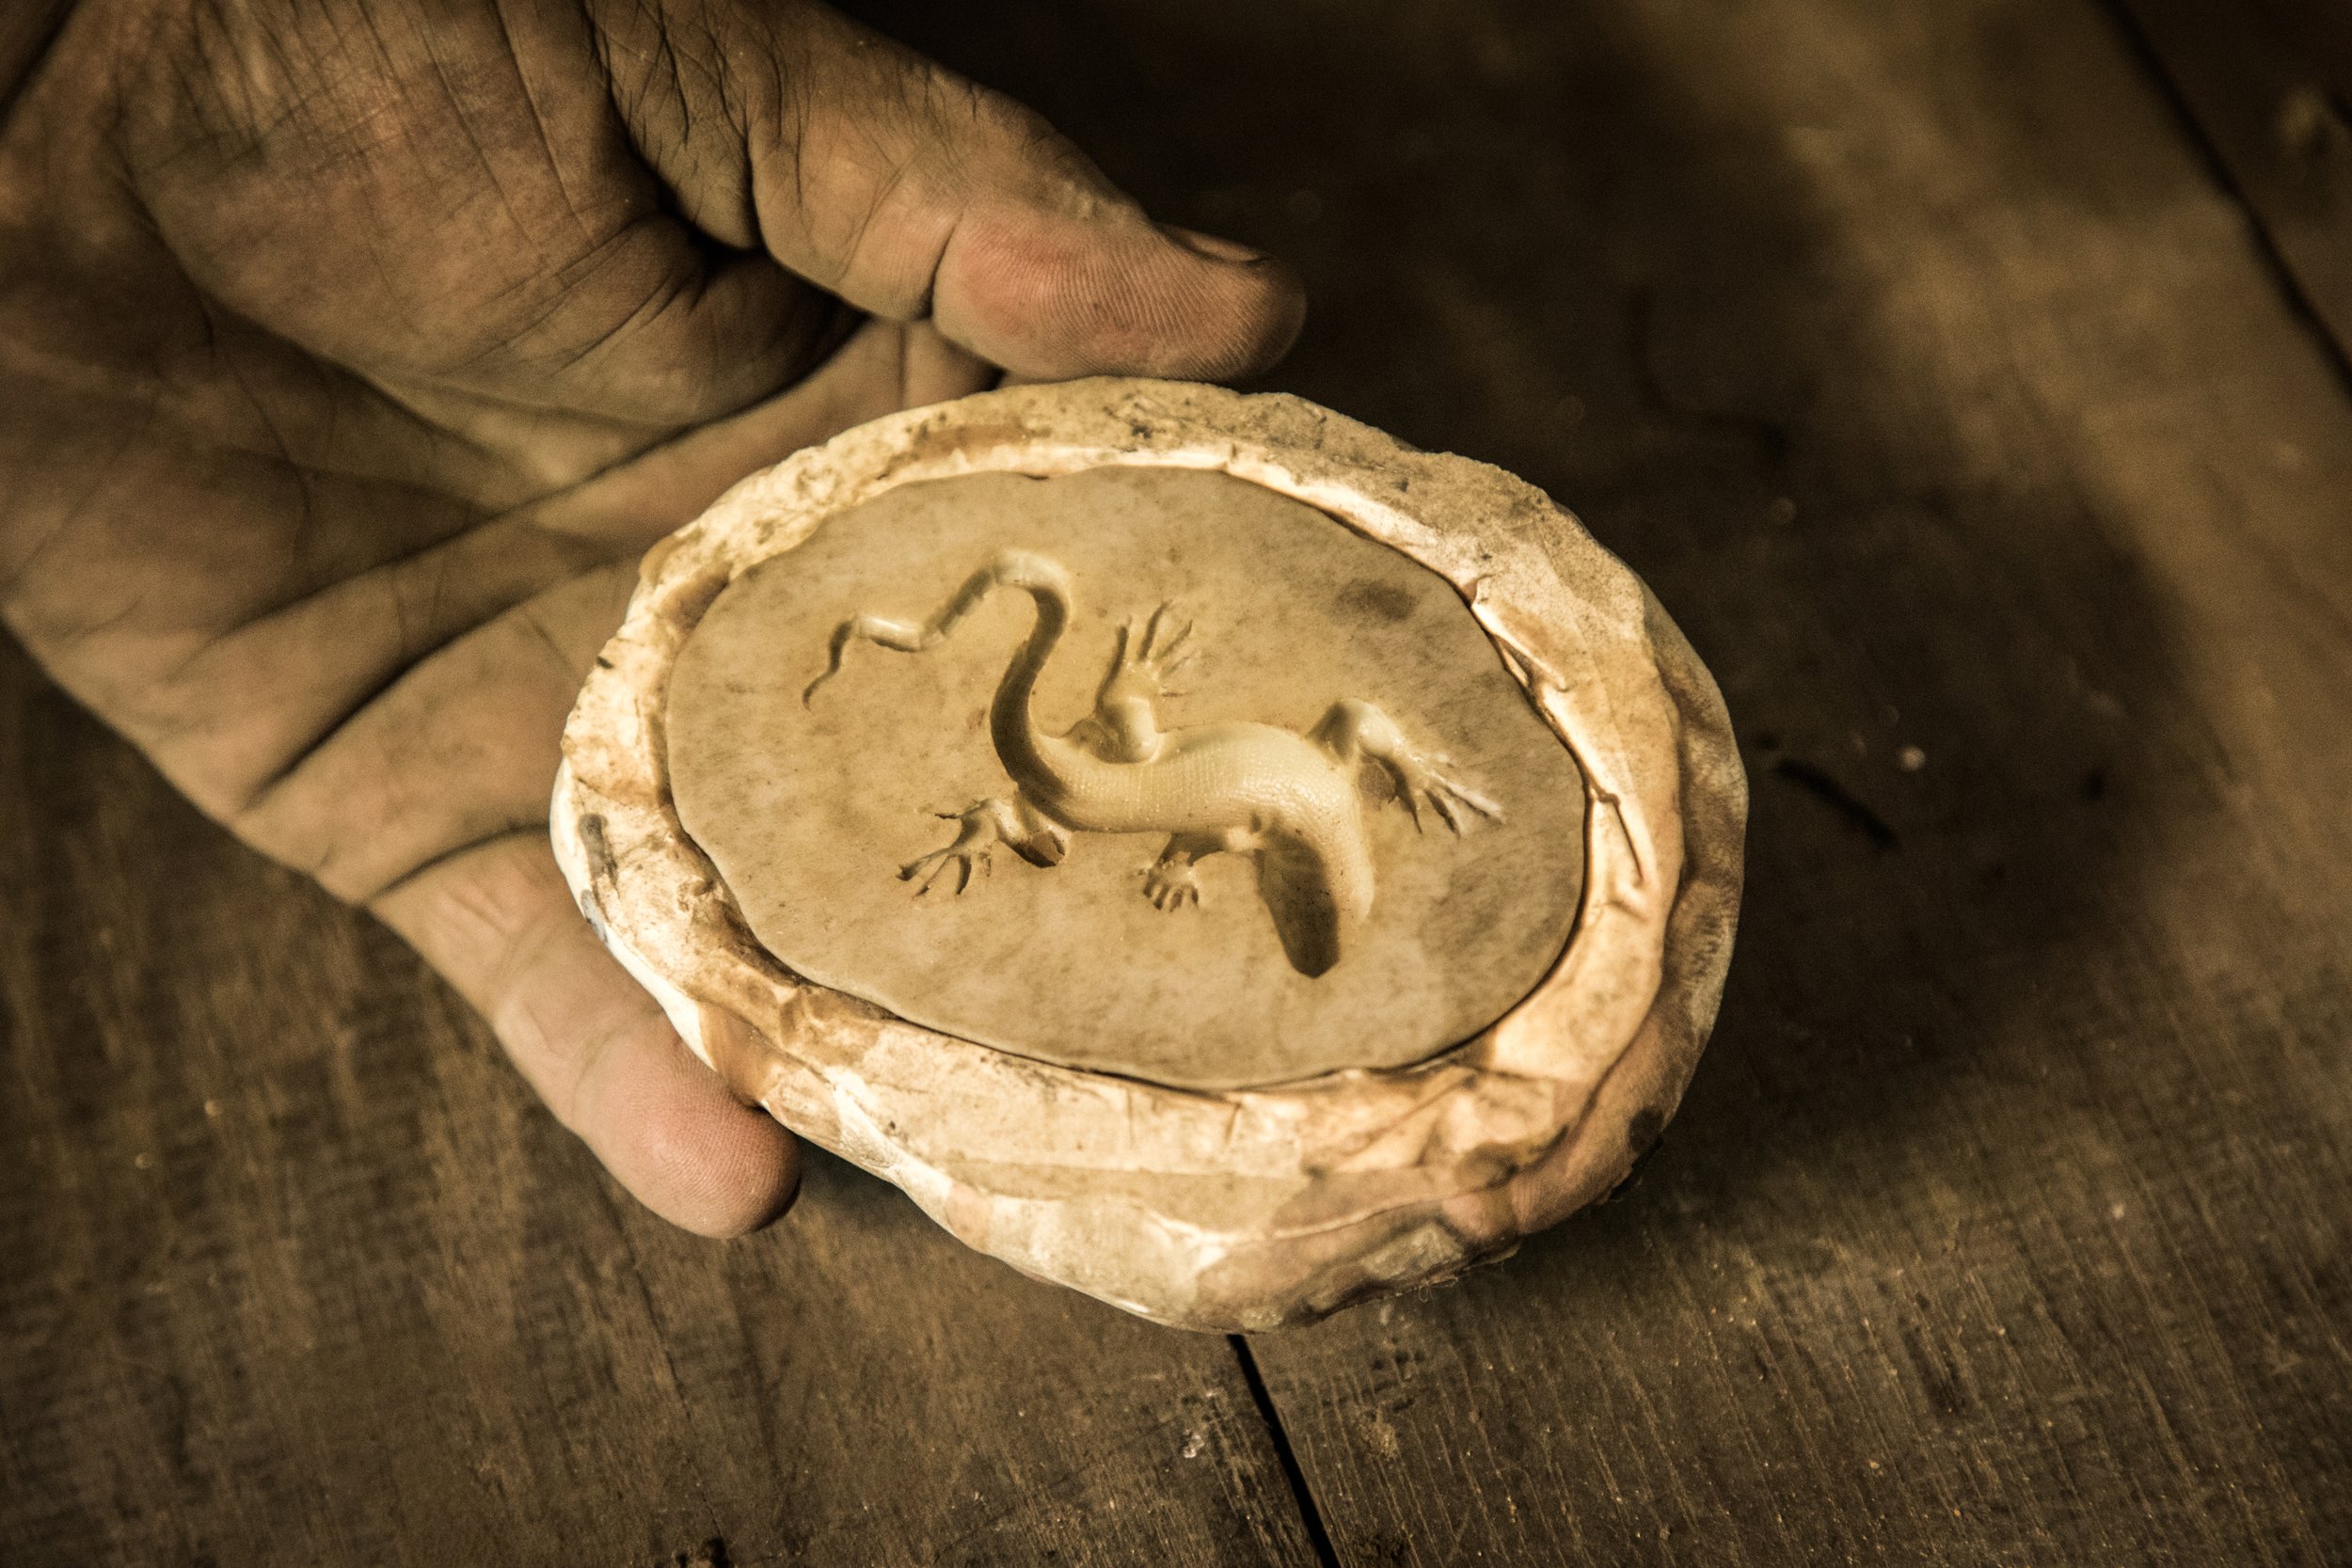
[{"x": 1908, "y": 353}]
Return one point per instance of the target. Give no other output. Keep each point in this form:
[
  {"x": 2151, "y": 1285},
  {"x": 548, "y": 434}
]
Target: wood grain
[
  {"x": 296, "y": 1271},
  {"x": 1914, "y": 354},
  {"x": 1949, "y": 404},
  {"x": 1918, "y": 358},
  {"x": 2268, "y": 85}
]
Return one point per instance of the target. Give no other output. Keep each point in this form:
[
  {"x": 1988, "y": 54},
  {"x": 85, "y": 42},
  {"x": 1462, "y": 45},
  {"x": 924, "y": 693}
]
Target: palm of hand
[{"x": 351, "y": 362}]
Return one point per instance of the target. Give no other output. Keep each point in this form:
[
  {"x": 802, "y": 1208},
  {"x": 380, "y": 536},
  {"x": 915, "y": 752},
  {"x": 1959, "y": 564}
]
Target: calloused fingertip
[
  {"x": 1051, "y": 298},
  {"x": 751, "y": 1199},
  {"x": 1283, "y": 320},
  {"x": 500, "y": 923},
  {"x": 1254, "y": 308},
  {"x": 692, "y": 1154}
]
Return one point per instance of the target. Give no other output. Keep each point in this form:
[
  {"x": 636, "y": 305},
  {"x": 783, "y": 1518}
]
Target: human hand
[{"x": 351, "y": 354}]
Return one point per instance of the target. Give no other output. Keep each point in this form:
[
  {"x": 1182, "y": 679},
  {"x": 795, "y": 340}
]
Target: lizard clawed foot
[
  {"x": 976, "y": 837},
  {"x": 1429, "y": 786},
  {"x": 1155, "y": 648},
  {"x": 1171, "y": 885}
]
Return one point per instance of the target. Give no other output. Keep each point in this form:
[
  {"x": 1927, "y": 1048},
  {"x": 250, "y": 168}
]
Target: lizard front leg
[
  {"x": 983, "y": 825},
  {"x": 1124, "y": 725}
]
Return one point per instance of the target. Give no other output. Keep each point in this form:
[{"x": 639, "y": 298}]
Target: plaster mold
[{"x": 1277, "y": 1166}]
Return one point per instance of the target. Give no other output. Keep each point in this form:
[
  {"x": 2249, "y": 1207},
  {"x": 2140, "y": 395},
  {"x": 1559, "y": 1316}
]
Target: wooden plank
[
  {"x": 2269, "y": 84},
  {"x": 298, "y": 1272},
  {"x": 1912, "y": 353},
  {"x": 1908, "y": 352},
  {"x": 1915, "y": 358}
]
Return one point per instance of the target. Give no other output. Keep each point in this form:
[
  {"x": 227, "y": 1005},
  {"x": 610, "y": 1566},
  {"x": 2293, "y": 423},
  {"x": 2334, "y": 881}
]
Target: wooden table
[{"x": 1995, "y": 453}]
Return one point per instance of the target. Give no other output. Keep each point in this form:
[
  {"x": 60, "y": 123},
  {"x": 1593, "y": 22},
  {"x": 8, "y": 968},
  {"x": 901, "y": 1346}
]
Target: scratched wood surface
[
  {"x": 296, "y": 1271},
  {"x": 2268, "y": 86},
  {"x": 1916, "y": 354},
  {"x": 1919, "y": 356}
]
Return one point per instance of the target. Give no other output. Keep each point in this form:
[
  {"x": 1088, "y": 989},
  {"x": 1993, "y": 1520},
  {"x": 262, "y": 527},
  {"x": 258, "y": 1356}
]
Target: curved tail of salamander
[{"x": 1043, "y": 581}]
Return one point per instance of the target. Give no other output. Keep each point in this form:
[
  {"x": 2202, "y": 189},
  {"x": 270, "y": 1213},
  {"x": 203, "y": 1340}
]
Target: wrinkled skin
[{"x": 352, "y": 350}]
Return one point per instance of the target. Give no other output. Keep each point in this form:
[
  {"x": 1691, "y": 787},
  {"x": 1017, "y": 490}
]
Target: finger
[
  {"x": 912, "y": 193},
  {"x": 499, "y": 923},
  {"x": 883, "y": 367},
  {"x": 460, "y": 748},
  {"x": 458, "y": 214},
  {"x": 429, "y": 700},
  {"x": 661, "y": 330}
]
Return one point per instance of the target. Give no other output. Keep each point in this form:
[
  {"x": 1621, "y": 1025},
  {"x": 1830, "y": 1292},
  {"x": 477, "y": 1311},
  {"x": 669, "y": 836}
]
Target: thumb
[
  {"x": 912, "y": 192},
  {"x": 498, "y": 922}
]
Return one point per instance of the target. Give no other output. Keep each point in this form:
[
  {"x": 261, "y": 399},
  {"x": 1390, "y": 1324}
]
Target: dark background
[{"x": 1962, "y": 374}]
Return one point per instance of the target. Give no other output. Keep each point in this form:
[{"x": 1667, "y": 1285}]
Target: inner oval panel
[{"x": 1194, "y": 868}]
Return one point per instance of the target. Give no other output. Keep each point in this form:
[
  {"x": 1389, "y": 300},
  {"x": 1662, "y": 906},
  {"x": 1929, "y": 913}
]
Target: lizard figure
[{"x": 1287, "y": 801}]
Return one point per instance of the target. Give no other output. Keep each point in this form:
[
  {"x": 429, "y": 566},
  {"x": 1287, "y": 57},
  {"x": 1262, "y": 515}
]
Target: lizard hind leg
[
  {"x": 1354, "y": 731},
  {"x": 1031, "y": 834},
  {"x": 980, "y": 827}
]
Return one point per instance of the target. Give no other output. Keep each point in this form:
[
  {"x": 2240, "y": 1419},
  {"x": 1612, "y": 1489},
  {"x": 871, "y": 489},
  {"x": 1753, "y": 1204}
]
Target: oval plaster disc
[
  {"x": 1216, "y": 1036},
  {"x": 1158, "y": 952}
]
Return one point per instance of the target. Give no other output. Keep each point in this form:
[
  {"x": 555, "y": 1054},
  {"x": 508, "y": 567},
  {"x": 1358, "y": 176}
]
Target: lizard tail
[{"x": 1042, "y": 579}]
